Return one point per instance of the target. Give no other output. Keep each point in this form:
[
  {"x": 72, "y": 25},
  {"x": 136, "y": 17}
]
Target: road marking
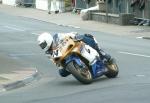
[
  {"x": 139, "y": 37},
  {"x": 35, "y": 33},
  {"x": 18, "y": 43},
  {"x": 17, "y": 26},
  {"x": 73, "y": 26},
  {"x": 14, "y": 28},
  {"x": 140, "y": 75},
  {"x": 140, "y": 55},
  {"x": 25, "y": 54},
  {"x": 143, "y": 37}
]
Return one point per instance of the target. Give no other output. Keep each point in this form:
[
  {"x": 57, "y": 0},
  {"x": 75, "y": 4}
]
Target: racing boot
[{"x": 105, "y": 57}]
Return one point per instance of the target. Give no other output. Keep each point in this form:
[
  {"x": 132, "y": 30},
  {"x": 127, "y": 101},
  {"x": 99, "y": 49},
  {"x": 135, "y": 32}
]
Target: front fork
[{"x": 76, "y": 59}]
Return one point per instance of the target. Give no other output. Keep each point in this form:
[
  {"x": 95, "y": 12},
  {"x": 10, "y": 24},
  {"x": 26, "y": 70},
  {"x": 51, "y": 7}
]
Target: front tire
[
  {"x": 113, "y": 69},
  {"x": 81, "y": 74}
]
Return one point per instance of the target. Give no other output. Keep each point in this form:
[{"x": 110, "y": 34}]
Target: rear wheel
[
  {"x": 113, "y": 69},
  {"x": 82, "y": 74}
]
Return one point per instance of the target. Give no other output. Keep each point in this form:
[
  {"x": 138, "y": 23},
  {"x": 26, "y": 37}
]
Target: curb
[
  {"x": 20, "y": 83},
  {"x": 63, "y": 25}
]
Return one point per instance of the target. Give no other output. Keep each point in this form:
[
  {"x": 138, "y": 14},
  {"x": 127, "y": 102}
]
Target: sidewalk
[
  {"x": 14, "y": 75},
  {"x": 74, "y": 20}
]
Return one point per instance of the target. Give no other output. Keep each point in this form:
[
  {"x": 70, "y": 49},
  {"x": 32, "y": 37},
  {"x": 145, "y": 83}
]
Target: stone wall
[{"x": 122, "y": 19}]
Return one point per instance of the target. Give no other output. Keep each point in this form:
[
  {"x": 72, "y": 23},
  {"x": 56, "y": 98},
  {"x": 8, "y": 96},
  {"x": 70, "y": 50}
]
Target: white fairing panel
[{"x": 89, "y": 53}]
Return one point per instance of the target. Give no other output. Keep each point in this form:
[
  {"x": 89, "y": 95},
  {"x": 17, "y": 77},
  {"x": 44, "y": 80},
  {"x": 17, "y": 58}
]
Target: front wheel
[
  {"x": 82, "y": 74},
  {"x": 113, "y": 69}
]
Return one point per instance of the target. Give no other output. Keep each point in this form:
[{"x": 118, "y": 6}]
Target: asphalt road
[{"x": 18, "y": 41}]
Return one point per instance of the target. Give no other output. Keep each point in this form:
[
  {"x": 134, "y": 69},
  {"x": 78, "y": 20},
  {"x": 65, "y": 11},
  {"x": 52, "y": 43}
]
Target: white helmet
[{"x": 45, "y": 40}]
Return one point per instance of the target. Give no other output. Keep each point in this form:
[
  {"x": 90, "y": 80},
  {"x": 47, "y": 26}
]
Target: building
[{"x": 122, "y": 12}]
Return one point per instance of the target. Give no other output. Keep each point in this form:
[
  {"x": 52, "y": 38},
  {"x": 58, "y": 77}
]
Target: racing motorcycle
[{"x": 82, "y": 61}]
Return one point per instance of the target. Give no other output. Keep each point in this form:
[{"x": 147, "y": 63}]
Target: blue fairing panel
[
  {"x": 98, "y": 69},
  {"x": 74, "y": 58}
]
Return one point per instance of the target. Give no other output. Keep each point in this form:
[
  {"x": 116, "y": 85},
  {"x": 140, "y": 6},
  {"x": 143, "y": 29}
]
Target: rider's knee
[{"x": 63, "y": 72}]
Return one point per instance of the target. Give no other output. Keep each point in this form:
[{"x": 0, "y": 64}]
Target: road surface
[{"x": 18, "y": 41}]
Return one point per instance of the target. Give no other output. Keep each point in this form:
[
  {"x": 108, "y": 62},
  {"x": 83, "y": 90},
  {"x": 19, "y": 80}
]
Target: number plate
[{"x": 56, "y": 53}]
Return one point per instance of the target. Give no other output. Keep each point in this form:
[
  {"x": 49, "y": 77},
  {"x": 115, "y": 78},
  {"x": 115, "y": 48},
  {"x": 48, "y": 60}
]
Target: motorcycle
[{"x": 82, "y": 61}]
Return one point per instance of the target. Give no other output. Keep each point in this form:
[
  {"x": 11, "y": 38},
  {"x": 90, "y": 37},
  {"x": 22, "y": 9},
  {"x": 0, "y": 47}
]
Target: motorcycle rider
[{"x": 48, "y": 42}]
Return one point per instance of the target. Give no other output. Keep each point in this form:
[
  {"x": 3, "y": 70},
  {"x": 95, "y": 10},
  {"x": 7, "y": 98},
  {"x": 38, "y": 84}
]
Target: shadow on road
[{"x": 71, "y": 82}]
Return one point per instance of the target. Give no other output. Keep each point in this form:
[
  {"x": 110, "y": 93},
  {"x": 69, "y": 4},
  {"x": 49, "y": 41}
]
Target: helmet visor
[{"x": 43, "y": 44}]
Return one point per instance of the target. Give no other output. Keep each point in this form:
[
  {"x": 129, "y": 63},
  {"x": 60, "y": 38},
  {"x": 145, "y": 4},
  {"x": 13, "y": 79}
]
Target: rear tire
[
  {"x": 81, "y": 74},
  {"x": 113, "y": 69}
]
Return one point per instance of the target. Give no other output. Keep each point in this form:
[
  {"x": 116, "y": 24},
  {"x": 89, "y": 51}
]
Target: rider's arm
[{"x": 72, "y": 34}]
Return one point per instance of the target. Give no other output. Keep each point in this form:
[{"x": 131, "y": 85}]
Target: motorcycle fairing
[
  {"x": 98, "y": 68},
  {"x": 75, "y": 59}
]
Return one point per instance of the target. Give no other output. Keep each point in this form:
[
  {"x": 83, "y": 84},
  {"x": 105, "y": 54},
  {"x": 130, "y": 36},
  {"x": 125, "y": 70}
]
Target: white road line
[
  {"x": 139, "y": 37},
  {"x": 77, "y": 27},
  {"x": 17, "y": 26},
  {"x": 140, "y": 55},
  {"x": 73, "y": 26},
  {"x": 18, "y": 42},
  {"x": 25, "y": 54},
  {"x": 35, "y": 33},
  {"x": 13, "y": 28},
  {"x": 140, "y": 75}
]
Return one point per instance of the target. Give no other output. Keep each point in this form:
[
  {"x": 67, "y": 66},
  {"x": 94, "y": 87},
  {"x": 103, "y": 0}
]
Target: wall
[
  {"x": 124, "y": 6},
  {"x": 101, "y": 17},
  {"x": 42, "y": 4},
  {"x": 145, "y": 13},
  {"x": 9, "y": 2},
  {"x": 82, "y": 4}
]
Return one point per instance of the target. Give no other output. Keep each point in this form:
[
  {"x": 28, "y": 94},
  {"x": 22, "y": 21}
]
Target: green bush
[{"x": 67, "y": 3}]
